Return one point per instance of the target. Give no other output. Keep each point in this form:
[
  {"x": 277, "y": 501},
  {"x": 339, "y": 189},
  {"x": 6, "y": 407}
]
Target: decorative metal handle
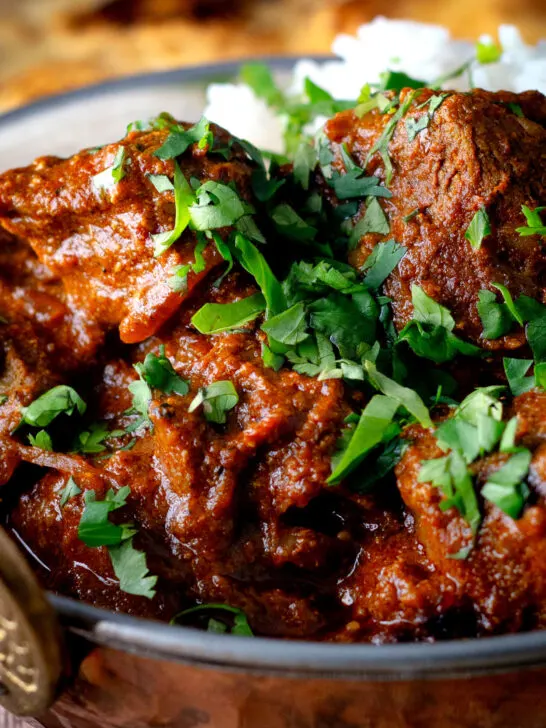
[{"x": 30, "y": 637}]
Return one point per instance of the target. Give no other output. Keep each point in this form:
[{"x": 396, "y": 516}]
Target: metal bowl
[{"x": 106, "y": 670}]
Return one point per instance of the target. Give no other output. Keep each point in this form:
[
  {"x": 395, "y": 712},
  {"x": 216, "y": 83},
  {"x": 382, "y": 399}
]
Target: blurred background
[{"x": 48, "y": 46}]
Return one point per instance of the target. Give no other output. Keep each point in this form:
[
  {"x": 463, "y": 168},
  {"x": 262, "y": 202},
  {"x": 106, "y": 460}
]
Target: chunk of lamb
[
  {"x": 99, "y": 240},
  {"x": 503, "y": 579},
  {"x": 475, "y": 152}
]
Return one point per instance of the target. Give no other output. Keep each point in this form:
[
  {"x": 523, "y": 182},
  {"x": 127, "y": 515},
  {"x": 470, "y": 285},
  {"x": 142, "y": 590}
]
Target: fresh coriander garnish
[
  {"x": 414, "y": 125},
  {"x": 534, "y": 226},
  {"x": 41, "y": 440},
  {"x": 95, "y": 529},
  {"x": 92, "y": 440},
  {"x": 430, "y": 333},
  {"x": 405, "y": 397},
  {"x": 56, "y": 401},
  {"x": 161, "y": 182},
  {"x": 487, "y": 51},
  {"x": 71, "y": 490},
  {"x": 506, "y": 488},
  {"x": 180, "y": 139},
  {"x": 288, "y": 327},
  {"x": 158, "y": 373},
  {"x": 113, "y": 174},
  {"x": 383, "y": 259},
  {"x": 216, "y": 399},
  {"x": 374, "y": 221},
  {"x": 178, "y": 282},
  {"x": 479, "y": 228},
  {"x": 237, "y": 622},
  {"x": 516, "y": 370},
  {"x": 183, "y": 198},
  {"x": 213, "y": 318},
  {"x": 373, "y": 426},
  {"x": 260, "y": 79}
]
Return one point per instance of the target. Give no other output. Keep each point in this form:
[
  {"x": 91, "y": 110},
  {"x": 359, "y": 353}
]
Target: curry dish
[{"x": 301, "y": 400}]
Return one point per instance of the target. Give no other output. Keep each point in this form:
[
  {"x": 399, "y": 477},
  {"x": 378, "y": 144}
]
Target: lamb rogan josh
[{"x": 304, "y": 400}]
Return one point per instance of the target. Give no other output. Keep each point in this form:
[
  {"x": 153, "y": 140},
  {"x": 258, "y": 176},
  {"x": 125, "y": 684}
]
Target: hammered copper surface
[{"x": 118, "y": 690}]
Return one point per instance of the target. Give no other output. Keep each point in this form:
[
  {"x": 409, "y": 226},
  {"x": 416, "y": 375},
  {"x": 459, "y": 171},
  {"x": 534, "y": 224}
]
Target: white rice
[{"x": 421, "y": 50}]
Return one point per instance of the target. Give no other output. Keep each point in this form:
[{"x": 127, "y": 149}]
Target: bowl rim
[{"x": 457, "y": 658}]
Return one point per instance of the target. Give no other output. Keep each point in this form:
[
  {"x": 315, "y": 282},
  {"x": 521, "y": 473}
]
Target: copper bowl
[{"x": 75, "y": 666}]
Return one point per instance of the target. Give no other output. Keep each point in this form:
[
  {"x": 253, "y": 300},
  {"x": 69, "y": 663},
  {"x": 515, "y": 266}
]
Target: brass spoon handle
[{"x": 30, "y": 641}]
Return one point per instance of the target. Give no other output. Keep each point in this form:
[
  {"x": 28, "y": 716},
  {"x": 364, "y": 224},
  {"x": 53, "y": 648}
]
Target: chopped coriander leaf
[
  {"x": 71, "y": 490},
  {"x": 183, "y": 198},
  {"x": 56, "y": 401},
  {"x": 354, "y": 184},
  {"x": 414, "y": 125},
  {"x": 436, "y": 343},
  {"x": 510, "y": 305},
  {"x": 540, "y": 374},
  {"x": 305, "y": 161},
  {"x": 264, "y": 186},
  {"x": 405, "y": 397},
  {"x": 213, "y": 318},
  {"x": 479, "y": 228},
  {"x": 451, "y": 476},
  {"x": 397, "y": 80},
  {"x": 131, "y": 569},
  {"x": 315, "y": 93},
  {"x": 411, "y": 215},
  {"x": 291, "y": 225},
  {"x": 508, "y": 439},
  {"x": 288, "y": 327},
  {"x": 346, "y": 321},
  {"x": 506, "y": 488},
  {"x": 158, "y": 372},
  {"x": 487, "y": 51},
  {"x": 516, "y": 109},
  {"x": 180, "y": 139},
  {"x": 254, "y": 263},
  {"x": 428, "y": 311},
  {"x": 111, "y": 175},
  {"x": 515, "y": 370},
  {"x": 142, "y": 396},
  {"x": 239, "y": 626},
  {"x": 161, "y": 182},
  {"x": 178, "y": 282},
  {"x": 92, "y": 440},
  {"x": 95, "y": 529},
  {"x": 260, "y": 79},
  {"x": 199, "y": 265},
  {"x": 381, "y": 146},
  {"x": 41, "y": 440},
  {"x": 216, "y": 399},
  {"x": 217, "y": 206},
  {"x": 383, "y": 259},
  {"x": 496, "y": 318},
  {"x": 534, "y": 226},
  {"x": 372, "y": 426},
  {"x": 374, "y": 221}
]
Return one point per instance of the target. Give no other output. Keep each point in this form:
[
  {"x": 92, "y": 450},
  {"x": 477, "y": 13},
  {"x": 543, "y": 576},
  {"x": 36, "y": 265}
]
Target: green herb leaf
[
  {"x": 479, "y": 228},
  {"x": 254, "y": 263},
  {"x": 217, "y": 206},
  {"x": 372, "y": 426},
  {"x": 59, "y": 400},
  {"x": 383, "y": 259},
  {"x": 158, "y": 372},
  {"x": 416, "y": 124},
  {"x": 41, "y": 440},
  {"x": 509, "y": 303},
  {"x": 260, "y": 79},
  {"x": 240, "y": 625},
  {"x": 291, "y": 225},
  {"x": 428, "y": 311},
  {"x": 183, "y": 198},
  {"x": 515, "y": 370},
  {"x": 213, "y": 318},
  {"x": 92, "y": 440},
  {"x": 397, "y": 80},
  {"x": 505, "y": 487},
  {"x": 305, "y": 162},
  {"x": 495, "y": 317},
  {"x": 487, "y": 51},
  {"x": 70, "y": 490},
  {"x": 161, "y": 182},
  {"x": 216, "y": 399},
  {"x": 179, "y": 279},
  {"x": 111, "y": 175},
  {"x": 95, "y": 529},
  {"x": 374, "y": 221},
  {"x": 180, "y": 139},
  {"x": 405, "y": 397},
  {"x": 288, "y": 327},
  {"x": 131, "y": 569},
  {"x": 534, "y": 226}
]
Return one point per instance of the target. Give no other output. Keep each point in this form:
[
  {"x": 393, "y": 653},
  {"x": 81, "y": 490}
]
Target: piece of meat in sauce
[
  {"x": 477, "y": 151},
  {"x": 98, "y": 240},
  {"x": 503, "y": 579}
]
